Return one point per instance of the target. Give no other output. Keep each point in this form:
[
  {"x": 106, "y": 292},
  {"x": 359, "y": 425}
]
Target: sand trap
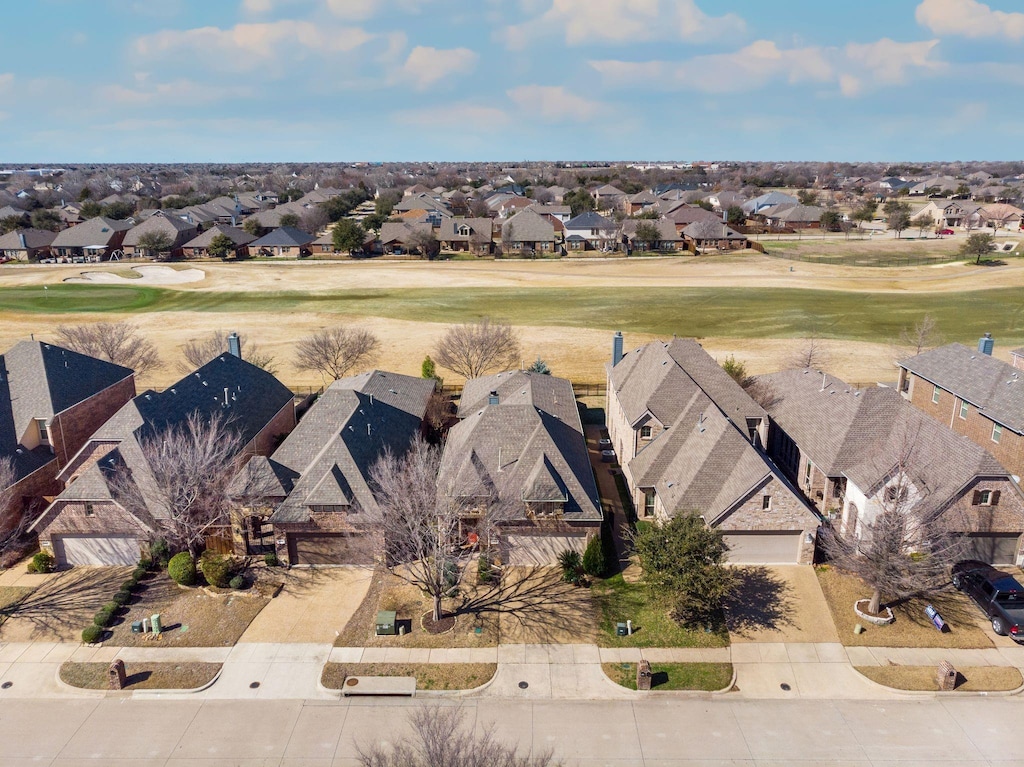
[{"x": 148, "y": 275}]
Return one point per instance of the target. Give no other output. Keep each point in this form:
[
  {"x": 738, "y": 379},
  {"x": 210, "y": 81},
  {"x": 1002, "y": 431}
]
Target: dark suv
[{"x": 996, "y": 592}]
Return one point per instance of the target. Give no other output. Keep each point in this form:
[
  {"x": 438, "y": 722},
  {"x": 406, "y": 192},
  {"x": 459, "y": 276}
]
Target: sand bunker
[{"x": 148, "y": 275}]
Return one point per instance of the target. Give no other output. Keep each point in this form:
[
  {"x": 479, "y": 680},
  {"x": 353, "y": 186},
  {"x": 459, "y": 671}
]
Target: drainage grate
[
  {"x": 785, "y": 687},
  {"x": 522, "y": 685},
  {"x": 253, "y": 685},
  {"x": 6, "y": 685}
]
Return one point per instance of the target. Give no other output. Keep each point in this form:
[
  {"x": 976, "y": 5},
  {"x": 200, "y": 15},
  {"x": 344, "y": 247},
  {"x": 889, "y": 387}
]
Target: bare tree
[
  {"x": 762, "y": 392},
  {"x": 190, "y": 469},
  {"x": 422, "y": 523},
  {"x": 198, "y": 351},
  {"x": 425, "y": 242},
  {"x": 441, "y": 738},
  {"x": 924, "y": 335},
  {"x": 117, "y": 342},
  {"x": 472, "y": 349},
  {"x": 908, "y": 546},
  {"x": 13, "y": 520},
  {"x": 333, "y": 352},
  {"x": 812, "y": 354}
]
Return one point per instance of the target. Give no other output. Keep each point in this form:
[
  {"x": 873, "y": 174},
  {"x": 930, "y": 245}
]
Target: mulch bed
[{"x": 447, "y": 623}]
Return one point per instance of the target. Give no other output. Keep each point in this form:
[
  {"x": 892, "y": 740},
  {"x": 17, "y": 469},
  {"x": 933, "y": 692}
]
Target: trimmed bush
[
  {"x": 92, "y": 634},
  {"x": 42, "y": 562},
  {"x": 129, "y": 585},
  {"x": 216, "y": 569},
  {"x": 103, "y": 618},
  {"x": 270, "y": 559},
  {"x": 484, "y": 570},
  {"x": 146, "y": 564},
  {"x": 572, "y": 567},
  {"x": 593, "y": 557},
  {"x": 237, "y": 583},
  {"x": 139, "y": 573},
  {"x": 122, "y": 597},
  {"x": 182, "y": 570}
]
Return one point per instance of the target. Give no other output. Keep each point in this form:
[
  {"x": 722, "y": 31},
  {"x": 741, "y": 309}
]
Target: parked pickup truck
[{"x": 996, "y": 592}]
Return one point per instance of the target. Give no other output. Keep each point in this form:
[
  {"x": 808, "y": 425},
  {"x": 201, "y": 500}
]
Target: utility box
[
  {"x": 947, "y": 676},
  {"x": 387, "y": 622},
  {"x": 621, "y": 629},
  {"x": 643, "y": 675},
  {"x": 138, "y": 627}
]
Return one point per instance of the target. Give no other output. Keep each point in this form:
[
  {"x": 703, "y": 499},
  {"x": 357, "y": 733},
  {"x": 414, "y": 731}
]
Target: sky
[{"x": 450, "y": 80}]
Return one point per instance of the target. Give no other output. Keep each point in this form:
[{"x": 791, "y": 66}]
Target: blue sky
[{"x": 337, "y": 80}]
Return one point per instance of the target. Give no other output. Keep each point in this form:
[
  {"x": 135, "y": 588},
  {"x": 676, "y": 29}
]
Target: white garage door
[
  {"x": 96, "y": 550},
  {"x": 541, "y": 549},
  {"x": 996, "y": 549},
  {"x": 764, "y": 548}
]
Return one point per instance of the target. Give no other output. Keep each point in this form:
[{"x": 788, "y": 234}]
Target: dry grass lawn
[
  {"x": 912, "y": 628},
  {"x": 141, "y": 676},
  {"x": 923, "y": 678},
  {"x": 10, "y": 595},
  {"x": 709, "y": 677},
  {"x": 429, "y": 676},
  {"x": 190, "y": 617}
]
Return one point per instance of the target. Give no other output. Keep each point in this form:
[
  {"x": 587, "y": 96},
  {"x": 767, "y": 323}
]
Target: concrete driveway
[
  {"x": 314, "y": 605},
  {"x": 779, "y": 603}
]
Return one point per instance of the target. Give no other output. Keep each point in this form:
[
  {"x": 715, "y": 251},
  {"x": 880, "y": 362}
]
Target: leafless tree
[
  {"x": 439, "y": 410},
  {"x": 421, "y": 524},
  {"x": 762, "y": 392},
  {"x": 13, "y": 521},
  {"x": 314, "y": 219},
  {"x": 190, "y": 469},
  {"x": 333, "y": 352},
  {"x": 924, "y": 335},
  {"x": 812, "y": 354},
  {"x": 907, "y": 548},
  {"x": 425, "y": 242},
  {"x": 441, "y": 738},
  {"x": 478, "y": 208},
  {"x": 198, "y": 351},
  {"x": 117, "y": 342},
  {"x": 480, "y": 242},
  {"x": 474, "y": 348}
]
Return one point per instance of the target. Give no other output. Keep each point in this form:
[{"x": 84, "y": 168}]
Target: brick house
[
  {"x": 285, "y": 241},
  {"x": 96, "y": 238},
  {"x": 85, "y": 525},
  {"x": 176, "y": 230},
  {"x": 973, "y": 394},
  {"x": 848, "y": 448},
  {"x": 26, "y": 244},
  {"x": 470, "y": 235},
  {"x": 199, "y": 247},
  {"x": 51, "y": 400},
  {"x": 690, "y": 440},
  {"x": 528, "y": 230},
  {"x": 311, "y": 500},
  {"x": 520, "y": 438}
]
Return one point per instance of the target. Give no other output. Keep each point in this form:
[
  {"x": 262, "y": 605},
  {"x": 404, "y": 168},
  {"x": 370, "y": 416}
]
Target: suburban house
[
  {"x": 470, "y": 235},
  {"x": 591, "y": 231},
  {"x": 1001, "y": 216},
  {"x": 793, "y": 216},
  {"x": 284, "y": 241},
  {"x": 950, "y": 213},
  {"x": 690, "y": 440},
  {"x": 401, "y": 238},
  {"x": 682, "y": 215},
  {"x": 853, "y": 450},
  {"x": 520, "y": 443},
  {"x": 324, "y": 244},
  {"x": 26, "y": 244},
  {"x": 199, "y": 247},
  {"x": 713, "y": 235},
  {"x": 177, "y": 231},
  {"x": 311, "y": 501},
  {"x": 528, "y": 230},
  {"x": 97, "y": 238},
  {"x": 668, "y": 238},
  {"x": 758, "y": 204},
  {"x": 608, "y": 197},
  {"x": 724, "y": 200},
  {"x": 640, "y": 202},
  {"x": 86, "y": 525},
  {"x": 51, "y": 400},
  {"x": 971, "y": 393},
  {"x": 560, "y": 213}
]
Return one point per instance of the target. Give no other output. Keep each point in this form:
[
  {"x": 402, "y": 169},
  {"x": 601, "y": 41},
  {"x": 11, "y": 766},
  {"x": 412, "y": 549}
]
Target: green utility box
[
  {"x": 387, "y": 622},
  {"x": 621, "y": 630}
]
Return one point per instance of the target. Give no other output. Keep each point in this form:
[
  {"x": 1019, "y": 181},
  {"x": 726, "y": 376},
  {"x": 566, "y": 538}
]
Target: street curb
[
  {"x": 678, "y": 693},
  {"x": 948, "y": 693}
]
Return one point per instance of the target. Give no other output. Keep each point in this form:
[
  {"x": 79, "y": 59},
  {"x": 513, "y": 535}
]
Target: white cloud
[
  {"x": 889, "y": 61},
  {"x": 257, "y": 6},
  {"x": 462, "y": 113},
  {"x": 553, "y": 102},
  {"x": 624, "y": 21},
  {"x": 969, "y": 18},
  {"x": 353, "y": 9},
  {"x": 427, "y": 66},
  {"x": 183, "y": 92},
  {"x": 6, "y": 80}
]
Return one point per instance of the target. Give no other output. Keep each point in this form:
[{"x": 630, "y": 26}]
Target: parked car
[
  {"x": 944, "y": 232},
  {"x": 605, "y": 443},
  {"x": 608, "y": 456},
  {"x": 996, "y": 592}
]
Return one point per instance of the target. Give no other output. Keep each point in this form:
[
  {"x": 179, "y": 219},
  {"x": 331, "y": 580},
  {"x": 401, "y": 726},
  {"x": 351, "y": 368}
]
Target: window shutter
[
  {"x": 977, "y": 498},
  {"x": 994, "y": 499}
]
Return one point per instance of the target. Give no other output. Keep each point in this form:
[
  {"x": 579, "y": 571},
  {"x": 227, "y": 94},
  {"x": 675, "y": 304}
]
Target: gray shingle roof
[
  {"x": 34, "y": 238},
  {"x": 95, "y": 231},
  {"x": 528, "y": 226},
  {"x": 544, "y": 392},
  {"x": 711, "y": 230},
  {"x": 236, "y": 235},
  {"x": 993, "y": 386},
  {"x": 178, "y": 230},
  {"x": 285, "y": 236},
  {"x": 589, "y": 220}
]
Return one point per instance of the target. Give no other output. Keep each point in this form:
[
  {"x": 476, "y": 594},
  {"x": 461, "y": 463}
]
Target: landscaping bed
[
  {"x": 709, "y": 677},
  {"x": 924, "y": 678},
  {"x": 912, "y": 628},
  {"x": 429, "y": 676},
  {"x": 141, "y": 676}
]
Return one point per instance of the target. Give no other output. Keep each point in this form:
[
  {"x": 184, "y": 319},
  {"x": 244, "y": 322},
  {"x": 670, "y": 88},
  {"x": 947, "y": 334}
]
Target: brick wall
[
  {"x": 29, "y": 491},
  {"x": 69, "y": 517},
  {"x": 1005, "y": 517},
  {"x": 71, "y": 428},
  {"x": 787, "y": 512}
]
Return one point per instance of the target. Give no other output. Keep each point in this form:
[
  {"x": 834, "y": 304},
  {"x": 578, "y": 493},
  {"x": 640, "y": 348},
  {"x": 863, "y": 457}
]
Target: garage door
[
  {"x": 541, "y": 549},
  {"x": 329, "y": 549},
  {"x": 96, "y": 550},
  {"x": 764, "y": 548},
  {"x": 996, "y": 549}
]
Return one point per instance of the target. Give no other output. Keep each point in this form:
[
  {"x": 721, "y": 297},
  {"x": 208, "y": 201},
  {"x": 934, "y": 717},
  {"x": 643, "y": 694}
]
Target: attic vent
[
  {"x": 173, "y": 390},
  {"x": 205, "y": 383},
  {"x": 197, "y": 375},
  {"x": 392, "y": 391}
]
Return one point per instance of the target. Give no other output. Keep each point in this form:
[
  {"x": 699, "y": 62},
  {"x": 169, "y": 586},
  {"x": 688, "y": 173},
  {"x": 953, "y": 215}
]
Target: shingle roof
[
  {"x": 450, "y": 228},
  {"x": 285, "y": 236},
  {"x": 178, "y": 230},
  {"x": 236, "y": 235},
  {"x": 34, "y": 238},
  {"x": 402, "y": 232},
  {"x": 711, "y": 230},
  {"x": 521, "y": 387},
  {"x": 95, "y": 231},
  {"x": 528, "y": 226},
  {"x": 589, "y": 220}
]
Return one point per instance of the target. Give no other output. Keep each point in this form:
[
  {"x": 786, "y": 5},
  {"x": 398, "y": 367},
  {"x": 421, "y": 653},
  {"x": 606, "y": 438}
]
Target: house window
[
  {"x": 89, "y": 510},
  {"x": 964, "y": 408},
  {"x": 895, "y": 494},
  {"x": 645, "y": 432},
  {"x": 807, "y": 475},
  {"x": 935, "y": 394},
  {"x": 766, "y": 503},
  {"x": 986, "y": 498},
  {"x": 44, "y": 433},
  {"x": 997, "y": 433},
  {"x": 648, "y": 503}
]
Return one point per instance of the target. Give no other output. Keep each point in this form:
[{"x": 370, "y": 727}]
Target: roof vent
[
  {"x": 392, "y": 391},
  {"x": 492, "y": 399}
]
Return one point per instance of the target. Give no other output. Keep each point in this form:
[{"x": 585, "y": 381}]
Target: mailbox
[
  {"x": 387, "y": 621},
  {"x": 936, "y": 619}
]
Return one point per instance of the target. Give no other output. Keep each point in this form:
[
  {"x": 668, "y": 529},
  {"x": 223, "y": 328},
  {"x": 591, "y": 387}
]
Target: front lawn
[
  {"x": 59, "y": 608},
  {"x": 924, "y": 678},
  {"x": 709, "y": 677},
  {"x": 10, "y": 595},
  {"x": 429, "y": 676},
  {"x": 652, "y": 624},
  {"x": 912, "y": 628},
  {"x": 141, "y": 676}
]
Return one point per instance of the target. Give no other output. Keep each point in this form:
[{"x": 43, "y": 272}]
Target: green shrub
[
  {"x": 42, "y": 562},
  {"x": 146, "y": 564},
  {"x": 270, "y": 559},
  {"x": 122, "y": 597},
  {"x": 572, "y": 567},
  {"x": 593, "y": 557},
  {"x": 103, "y": 618},
  {"x": 484, "y": 569},
  {"x": 92, "y": 634},
  {"x": 216, "y": 569},
  {"x": 130, "y": 584},
  {"x": 139, "y": 573},
  {"x": 160, "y": 552},
  {"x": 181, "y": 569},
  {"x": 237, "y": 583}
]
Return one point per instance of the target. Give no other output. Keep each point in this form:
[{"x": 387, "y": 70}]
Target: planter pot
[{"x": 877, "y": 620}]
